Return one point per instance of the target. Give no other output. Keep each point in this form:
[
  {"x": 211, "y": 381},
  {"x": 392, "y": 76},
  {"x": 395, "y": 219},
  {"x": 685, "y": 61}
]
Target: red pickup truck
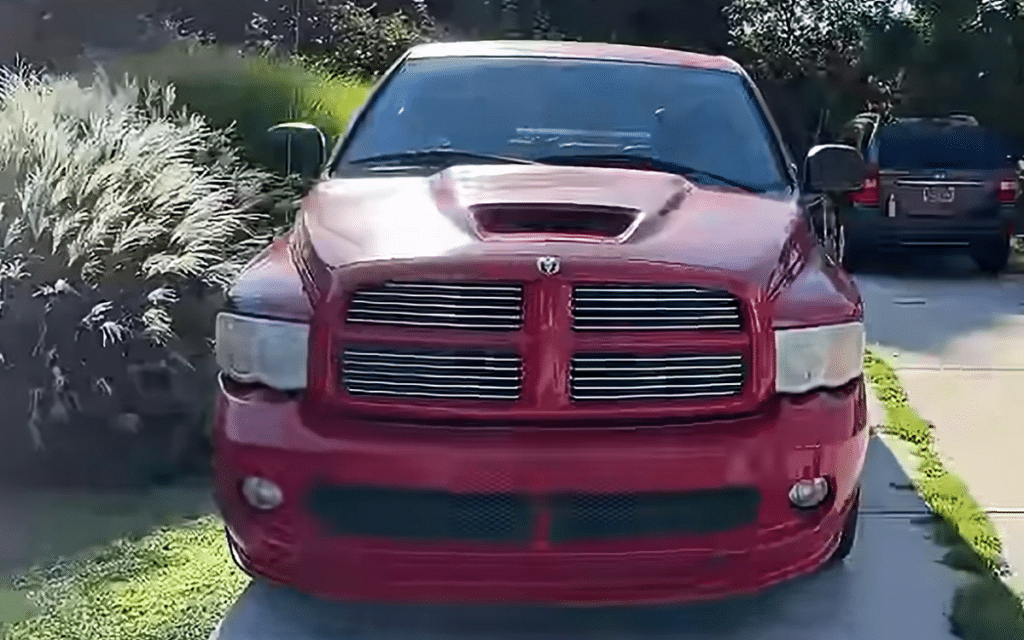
[{"x": 558, "y": 323}]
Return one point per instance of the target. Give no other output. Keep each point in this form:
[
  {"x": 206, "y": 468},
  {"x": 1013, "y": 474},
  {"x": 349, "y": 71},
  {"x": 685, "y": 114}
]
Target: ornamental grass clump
[{"x": 121, "y": 221}]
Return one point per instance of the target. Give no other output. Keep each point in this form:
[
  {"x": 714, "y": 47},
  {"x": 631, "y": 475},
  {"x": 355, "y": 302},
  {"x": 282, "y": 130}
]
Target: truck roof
[{"x": 577, "y": 50}]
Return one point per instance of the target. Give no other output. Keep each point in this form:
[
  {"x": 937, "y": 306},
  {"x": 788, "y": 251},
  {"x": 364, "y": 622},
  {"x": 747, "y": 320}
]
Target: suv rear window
[{"x": 955, "y": 147}]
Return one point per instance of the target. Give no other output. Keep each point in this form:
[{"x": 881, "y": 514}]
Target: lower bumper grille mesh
[
  {"x": 598, "y": 516},
  {"x": 438, "y": 515},
  {"x": 424, "y": 515}
]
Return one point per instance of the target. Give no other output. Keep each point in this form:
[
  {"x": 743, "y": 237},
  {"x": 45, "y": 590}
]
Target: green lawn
[{"x": 174, "y": 584}]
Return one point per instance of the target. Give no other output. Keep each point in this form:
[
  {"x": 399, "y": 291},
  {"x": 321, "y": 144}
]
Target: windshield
[
  {"x": 543, "y": 108},
  {"x": 957, "y": 147}
]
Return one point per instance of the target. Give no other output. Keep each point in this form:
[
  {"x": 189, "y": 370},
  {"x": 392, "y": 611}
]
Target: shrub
[
  {"x": 348, "y": 39},
  {"x": 251, "y": 92},
  {"x": 122, "y": 220}
]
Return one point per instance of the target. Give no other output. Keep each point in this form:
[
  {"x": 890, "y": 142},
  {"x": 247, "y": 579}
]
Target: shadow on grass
[
  {"x": 984, "y": 609},
  {"x": 171, "y": 584},
  {"x": 44, "y": 527},
  {"x": 40, "y": 526}
]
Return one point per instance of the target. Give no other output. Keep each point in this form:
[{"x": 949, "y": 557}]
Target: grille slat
[
  {"x": 604, "y": 308},
  {"x": 656, "y": 396},
  {"x": 416, "y": 305},
  {"x": 390, "y": 293},
  {"x": 354, "y": 369},
  {"x": 367, "y": 315},
  {"x": 663, "y": 367},
  {"x": 597, "y": 298},
  {"x": 615, "y": 383},
  {"x": 711, "y": 360},
  {"x": 618, "y": 307},
  {"x": 707, "y": 319},
  {"x": 467, "y": 306},
  {"x": 433, "y": 355},
  {"x": 592, "y": 378},
  {"x": 478, "y": 375}
]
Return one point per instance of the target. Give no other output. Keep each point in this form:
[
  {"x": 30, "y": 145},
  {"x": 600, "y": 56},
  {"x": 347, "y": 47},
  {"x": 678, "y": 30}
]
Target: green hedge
[{"x": 249, "y": 91}]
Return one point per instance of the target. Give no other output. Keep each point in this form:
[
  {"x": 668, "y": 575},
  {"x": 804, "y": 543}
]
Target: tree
[
  {"x": 816, "y": 50},
  {"x": 697, "y": 24}
]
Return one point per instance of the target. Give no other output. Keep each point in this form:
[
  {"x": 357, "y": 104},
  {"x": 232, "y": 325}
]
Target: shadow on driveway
[
  {"x": 934, "y": 309},
  {"x": 892, "y": 587},
  {"x": 933, "y": 266}
]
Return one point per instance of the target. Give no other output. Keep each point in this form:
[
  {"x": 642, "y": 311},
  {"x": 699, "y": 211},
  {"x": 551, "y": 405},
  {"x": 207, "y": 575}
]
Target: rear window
[{"x": 957, "y": 147}]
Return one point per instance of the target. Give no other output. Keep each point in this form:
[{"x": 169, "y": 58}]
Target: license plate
[{"x": 939, "y": 194}]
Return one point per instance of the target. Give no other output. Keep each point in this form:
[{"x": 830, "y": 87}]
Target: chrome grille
[
  {"x": 493, "y": 306},
  {"x": 605, "y": 377},
  {"x": 626, "y": 307},
  {"x": 471, "y": 375}
]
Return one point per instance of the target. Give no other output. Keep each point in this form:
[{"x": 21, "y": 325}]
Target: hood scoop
[{"x": 578, "y": 221}]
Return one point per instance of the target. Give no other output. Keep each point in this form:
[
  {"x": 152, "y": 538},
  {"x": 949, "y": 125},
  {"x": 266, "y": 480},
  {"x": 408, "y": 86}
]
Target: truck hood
[{"x": 551, "y": 210}]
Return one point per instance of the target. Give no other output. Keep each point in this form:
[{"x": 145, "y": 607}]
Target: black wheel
[
  {"x": 853, "y": 256},
  {"x": 849, "y": 534},
  {"x": 992, "y": 254}
]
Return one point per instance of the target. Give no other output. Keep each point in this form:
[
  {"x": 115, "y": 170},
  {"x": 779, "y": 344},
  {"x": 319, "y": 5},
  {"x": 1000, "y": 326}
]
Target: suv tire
[
  {"x": 991, "y": 254},
  {"x": 854, "y": 255}
]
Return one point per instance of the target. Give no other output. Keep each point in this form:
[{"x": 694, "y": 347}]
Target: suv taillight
[
  {"x": 1008, "y": 190},
  {"x": 868, "y": 194}
]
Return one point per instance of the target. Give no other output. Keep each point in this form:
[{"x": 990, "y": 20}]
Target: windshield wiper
[
  {"x": 430, "y": 155},
  {"x": 659, "y": 165}
]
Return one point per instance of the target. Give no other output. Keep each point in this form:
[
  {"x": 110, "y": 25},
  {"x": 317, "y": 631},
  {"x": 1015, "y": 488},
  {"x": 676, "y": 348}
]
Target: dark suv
[{"x": 935, "y": 183}]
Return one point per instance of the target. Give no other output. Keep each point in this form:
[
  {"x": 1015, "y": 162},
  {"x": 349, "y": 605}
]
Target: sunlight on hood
[{"x": 351, "y": 211}]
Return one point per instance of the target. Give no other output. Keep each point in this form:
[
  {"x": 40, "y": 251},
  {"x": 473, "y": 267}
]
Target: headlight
[
  {"x": 828, "y": 356},
  {"x": 260, "y": 350}
]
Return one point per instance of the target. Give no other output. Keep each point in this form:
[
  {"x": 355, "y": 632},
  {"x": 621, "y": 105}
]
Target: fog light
[
  {"x": 806, "y": 494},
  {"x": 261, "y": 493}
]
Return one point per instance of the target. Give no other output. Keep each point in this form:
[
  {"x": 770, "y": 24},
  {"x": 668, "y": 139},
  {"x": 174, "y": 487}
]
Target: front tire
[
  {"x": 992, "y": 254},
  {"x": 849, "y": 533}
]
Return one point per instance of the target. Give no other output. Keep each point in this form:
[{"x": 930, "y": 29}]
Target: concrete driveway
[
  {"x": 956, "y": 338},
  {"x": 892, "y": 587}
]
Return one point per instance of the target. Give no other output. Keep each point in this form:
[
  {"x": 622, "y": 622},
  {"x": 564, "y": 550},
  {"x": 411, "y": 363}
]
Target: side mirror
[
  {"x": 299, "y": 148},
  {"x": 834, "y": 168}
]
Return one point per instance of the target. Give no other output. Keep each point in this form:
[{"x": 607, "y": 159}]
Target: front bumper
[
  {"x": 818, "y": 434},
  {"x": 870, "y": 228}
]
